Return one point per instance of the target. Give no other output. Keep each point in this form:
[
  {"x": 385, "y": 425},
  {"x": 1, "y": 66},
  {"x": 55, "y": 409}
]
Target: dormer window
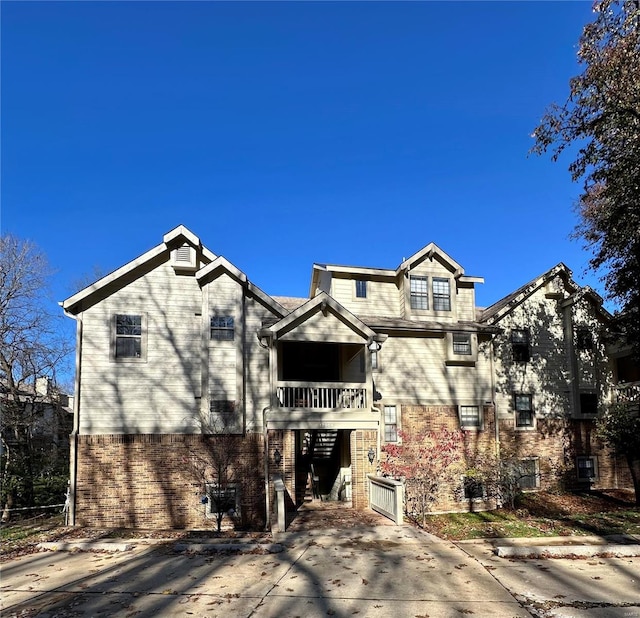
[
  {"x": 361, "y": 288},
  {"x": 441, "y": 294},
  {"x": 419, "y": 292}
]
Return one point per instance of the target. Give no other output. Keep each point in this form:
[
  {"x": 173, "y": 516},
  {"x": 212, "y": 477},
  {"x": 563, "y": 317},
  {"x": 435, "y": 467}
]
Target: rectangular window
[
  {"x": 419, "y": 292},
  {"x": 584, "y": 339},
  {"x": 390, "y": 424},
  {"x": 524, "y": 410},
  {"x": 128, "y": 336},
  {"x": 441, "y": 295},
  {"x": 587, "y": 468},
  {"x": 473, "y": 488},
  {"x": 470, "y": 417},
  {"x": 223, "y": 417},
  {"x": 222, "y": 499},
  {"x": 361, "y": 288},
  {"x": 588, "y": 404},
  {"x": 520, "y": 345},
  {"x": 528, "y": 475},
  {"x": 462, "y": 344},
  {"x": 222, "y": 328}
]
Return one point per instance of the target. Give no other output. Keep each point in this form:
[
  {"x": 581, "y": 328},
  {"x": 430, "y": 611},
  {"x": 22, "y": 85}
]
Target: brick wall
[
  {"x": 157, "y": 481},
  {"x": 476, "y": 447},
  {"x": 361, "y": 441},
  {"x": 556, "y": 443}
]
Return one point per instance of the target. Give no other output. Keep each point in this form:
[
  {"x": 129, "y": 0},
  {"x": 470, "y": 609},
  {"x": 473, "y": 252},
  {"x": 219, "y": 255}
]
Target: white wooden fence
[{"x": 386, "y": 496}]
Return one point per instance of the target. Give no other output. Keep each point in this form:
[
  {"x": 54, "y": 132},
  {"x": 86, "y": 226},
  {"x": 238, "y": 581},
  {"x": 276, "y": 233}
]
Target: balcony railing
[
  {"x": 328, "y": 396},
  {"x": 628, "y": 392}
]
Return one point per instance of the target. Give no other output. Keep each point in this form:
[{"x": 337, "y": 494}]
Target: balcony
[
  {"x": 328, "y": 396},
  {"x": 627, "y": 392}
]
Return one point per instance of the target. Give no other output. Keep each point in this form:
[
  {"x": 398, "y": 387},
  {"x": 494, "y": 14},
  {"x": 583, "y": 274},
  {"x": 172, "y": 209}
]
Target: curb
[
  {"x": 86, "y": 546},
  {"x": 565, "y": 551}
]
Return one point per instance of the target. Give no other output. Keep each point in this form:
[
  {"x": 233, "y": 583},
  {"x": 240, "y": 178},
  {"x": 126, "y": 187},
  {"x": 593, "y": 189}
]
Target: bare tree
[{"x": 32, "y": 350}]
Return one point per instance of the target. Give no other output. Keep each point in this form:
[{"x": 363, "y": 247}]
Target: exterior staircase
[{"x": 323, "y": 442}]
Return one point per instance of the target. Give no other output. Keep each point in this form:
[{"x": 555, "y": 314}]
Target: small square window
[
  {"x": 520, "y": 345},
  {"x": 462, "y": 344},
  {"x": 222, "y": 499},
  {"x": 390, "y": 424},
  {"x": 528, "y": 474},
  {"x": 224, "y": 417},
  {"x": 441, "y": 294},
  {"x": 473, "y": 488},
  {"x": 222, "y": 328},
  {"x": 419, "y": 292},
  {"x": 589, "y": 404},
  {"x": 524, "y": 410},
  {"x": 470, "y": 417},
  {"x": 361, "y": 288},
  {"x": 584, "y": 339},
  {"x": 128, "y": 336},
  {"x": 587, "y": 468}
]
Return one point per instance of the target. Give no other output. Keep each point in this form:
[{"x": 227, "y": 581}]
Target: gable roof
[
  {"x": 221, "y": 266},
  {"x": 505, "y": 305},
  {"x": 428, "y": 252},
  {"x": 321, "y": 302}
]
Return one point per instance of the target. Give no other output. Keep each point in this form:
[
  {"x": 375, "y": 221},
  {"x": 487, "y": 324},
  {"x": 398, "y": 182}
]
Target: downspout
[
  {"x": 73, "y": 438},
  {"x": 265, "y": 440},
  {"x": 493, "y": 395}
]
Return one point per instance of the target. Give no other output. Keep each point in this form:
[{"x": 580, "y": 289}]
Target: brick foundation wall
[
  {"x": 556, "y": 443},
  {"x": 157, "y": 481}
]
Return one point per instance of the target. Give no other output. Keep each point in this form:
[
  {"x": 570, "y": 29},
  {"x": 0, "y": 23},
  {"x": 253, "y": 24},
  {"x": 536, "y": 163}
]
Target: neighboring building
[{"x": 194, "y": 388}]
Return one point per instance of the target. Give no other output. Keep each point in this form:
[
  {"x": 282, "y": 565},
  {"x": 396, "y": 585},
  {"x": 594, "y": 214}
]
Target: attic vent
[{"x": 183, "y": 254}]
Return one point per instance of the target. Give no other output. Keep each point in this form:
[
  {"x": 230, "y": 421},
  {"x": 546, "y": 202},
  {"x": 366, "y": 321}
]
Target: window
[
  {"x": 470, "y": 417},
  {"x": 587, "y": 468},
  {"x": 223, "y": 417},
  {"x": 588, "y": 404},
  {"x": 528, "y": 474},
  {"x": 419, "y": 292},
  {"x": 462, "y": 344},
  {"x": 390, "y": 424},
  {"x": 524, "y": 410},
  {"x": 584, "y": 339},
  {"x": 222, "y": 499},
  {"x": 441, "y": 295},
  {"x": 520, "y": 345},
  {"x": 222, "y": 328},
  {"x": 128, "y": 336},
  {"x": 361, "y": 288},
  {"x": 473, "y": 488}
]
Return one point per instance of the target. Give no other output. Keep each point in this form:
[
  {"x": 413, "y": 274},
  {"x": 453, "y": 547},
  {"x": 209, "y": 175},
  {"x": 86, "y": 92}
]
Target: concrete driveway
[{"x": 375, "y": 571}]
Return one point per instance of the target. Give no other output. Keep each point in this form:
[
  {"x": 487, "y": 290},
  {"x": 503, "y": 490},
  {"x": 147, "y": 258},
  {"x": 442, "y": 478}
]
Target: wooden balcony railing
[
  {"x": 628, "y": 392},
  {"x": 328, "y": 396}
]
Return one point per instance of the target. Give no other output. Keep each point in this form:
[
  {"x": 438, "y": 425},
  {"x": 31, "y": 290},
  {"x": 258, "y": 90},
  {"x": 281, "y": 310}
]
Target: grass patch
[{"x": 543, "y": 515}]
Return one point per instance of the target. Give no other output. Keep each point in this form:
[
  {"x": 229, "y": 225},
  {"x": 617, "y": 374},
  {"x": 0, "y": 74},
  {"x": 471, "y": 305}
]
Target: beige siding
[
  {"x": 414, "y": 370},
  {"x": 323, "y": 328},
  {"x": 383, "y": 298},
  {"x": 158, "y": 393},
  {"x": 546, "y": 375},
  {"x": 466, "y": 304}
]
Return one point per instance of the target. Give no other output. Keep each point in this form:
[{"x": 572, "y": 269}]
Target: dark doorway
[{"x": 310, "y": 362}]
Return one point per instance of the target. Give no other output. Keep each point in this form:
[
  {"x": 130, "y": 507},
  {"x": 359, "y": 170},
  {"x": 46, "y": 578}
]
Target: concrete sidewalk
[{"x": 365, "y": 571}]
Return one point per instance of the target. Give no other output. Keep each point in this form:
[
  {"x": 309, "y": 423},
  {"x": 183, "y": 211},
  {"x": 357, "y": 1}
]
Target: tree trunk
[{"x": 634, "y": 467}]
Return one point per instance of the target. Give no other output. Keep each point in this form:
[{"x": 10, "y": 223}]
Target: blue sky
[{"x": 287, "y": 133}]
